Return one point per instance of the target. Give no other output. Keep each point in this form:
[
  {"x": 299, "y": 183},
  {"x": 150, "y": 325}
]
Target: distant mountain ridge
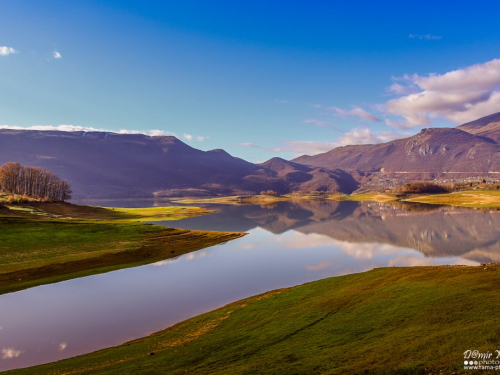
[
  {"x": 488, "y": 127},
  {"x": 469, "y": 148},
  {"x": 110, "y": 165}
]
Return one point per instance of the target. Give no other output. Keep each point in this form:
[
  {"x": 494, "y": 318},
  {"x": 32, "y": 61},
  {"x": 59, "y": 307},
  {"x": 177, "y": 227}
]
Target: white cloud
[
  {"x": 57, "y": 55},
  {"x": 65, "y": 128},
  {"x": 367, "y": 136},
  {"x": 196, "y": 138},
  {"x": 126, "y": 131},
  {"x": 363, "y": 114},
  {"x": 460, "y": 96},
  {"x": 76, "y": 128},
  {"x": 399, "y": 89},
  {"x": 354, "y": 137},
  {"x": 157, "y": 133},
  {"x": 305, "y": 147},
  {"x": 315, "y": 122},
  {"x": 10, "y": 353},
  {"x": 248, "y": 144},
  {"x": 355, "y": 111},
  {"x": 428, "y": 37},
  {"x": 4, "y": 50}
]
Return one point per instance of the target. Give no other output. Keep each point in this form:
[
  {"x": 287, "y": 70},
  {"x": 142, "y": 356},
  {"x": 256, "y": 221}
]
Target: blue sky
[{"x": 256, "y": 78}]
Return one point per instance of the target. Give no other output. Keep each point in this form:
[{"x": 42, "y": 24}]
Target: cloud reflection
[
  {"x": 190, "y": 256},
  {"x": 297, "y": 240},
  {"x": 319, "y": 266},
  {"x": 400, "y": 256},
  {"x": 10, "y": 353}
]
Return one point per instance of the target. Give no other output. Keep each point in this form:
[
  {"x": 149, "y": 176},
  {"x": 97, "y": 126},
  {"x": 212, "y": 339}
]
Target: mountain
[
  {"x": 301, "y": 177},
  {"x": 431, "y": 150},
  {"x": 109, "y": 165},
  {"x": 488, "y": 126},
  {"x": 468, "y": 149},
  {"x": 119, "y": 165}
]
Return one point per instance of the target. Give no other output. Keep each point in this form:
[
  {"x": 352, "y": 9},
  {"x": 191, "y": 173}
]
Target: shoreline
[
  {"x": 344, "y": 324},
  {"x": 465, "y": 199},
  {"x": 47, "y": 243}
]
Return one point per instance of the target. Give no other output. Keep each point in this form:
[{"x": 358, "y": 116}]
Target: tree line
[{"x": 33, "y": 182}]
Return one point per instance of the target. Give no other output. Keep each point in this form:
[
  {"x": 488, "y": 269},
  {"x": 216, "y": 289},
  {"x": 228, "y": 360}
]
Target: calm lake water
[{"x": 288, "y": 244}]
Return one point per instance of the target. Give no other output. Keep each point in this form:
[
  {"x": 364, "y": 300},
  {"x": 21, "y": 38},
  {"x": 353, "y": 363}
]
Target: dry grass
[
  {"x": 367, "y": 197},
  {"x": 471, "y": 199},
  {"x": 254, "y": 199}
]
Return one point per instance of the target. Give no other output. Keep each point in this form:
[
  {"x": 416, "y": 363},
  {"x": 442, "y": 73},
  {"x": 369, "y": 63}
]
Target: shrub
[
  {"x": 269, "y": 192},
  {"x": 424, "y": 187}
]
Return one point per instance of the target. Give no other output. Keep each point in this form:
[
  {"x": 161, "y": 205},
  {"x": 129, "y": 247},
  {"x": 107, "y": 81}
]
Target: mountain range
[
  {"x": 468, "y": 148},
  {"x": 110, "y": 165}
]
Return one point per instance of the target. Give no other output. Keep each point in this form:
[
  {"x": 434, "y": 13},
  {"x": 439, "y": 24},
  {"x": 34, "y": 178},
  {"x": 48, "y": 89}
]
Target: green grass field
[
  {"x": 416, "y": 320},
  {"x": 52, "y": 242}
]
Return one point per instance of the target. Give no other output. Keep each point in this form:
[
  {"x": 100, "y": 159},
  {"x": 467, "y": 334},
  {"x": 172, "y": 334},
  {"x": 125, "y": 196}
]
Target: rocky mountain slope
[
  {"x": 433, "y": 150},
  {"x": 488, "y": 126}
]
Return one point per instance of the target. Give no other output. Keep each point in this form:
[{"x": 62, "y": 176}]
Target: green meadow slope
[
  {"x": 46, "y": 243},
  {"x": 416, "y": 320}
]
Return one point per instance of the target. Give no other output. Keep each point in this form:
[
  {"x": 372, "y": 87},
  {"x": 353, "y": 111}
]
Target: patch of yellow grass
[
  {"x": 367, "y": 197},
  {"x": 471, "y": 198},
  {"x": 163, "y": 213}
]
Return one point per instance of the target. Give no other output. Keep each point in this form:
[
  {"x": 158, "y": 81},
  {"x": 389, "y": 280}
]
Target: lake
[{"x": 288, "y": 244}]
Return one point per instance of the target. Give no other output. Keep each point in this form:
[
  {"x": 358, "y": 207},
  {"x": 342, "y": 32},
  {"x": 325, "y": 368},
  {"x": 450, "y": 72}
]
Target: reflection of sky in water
[{"x": 61, "y": 320}]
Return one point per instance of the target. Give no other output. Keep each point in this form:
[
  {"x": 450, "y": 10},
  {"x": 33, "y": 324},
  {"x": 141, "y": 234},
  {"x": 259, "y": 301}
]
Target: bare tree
[{"x": 33, "y": 182}]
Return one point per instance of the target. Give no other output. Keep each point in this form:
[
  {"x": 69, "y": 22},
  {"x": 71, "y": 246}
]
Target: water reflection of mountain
[{"x": 432, "y": 230}]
